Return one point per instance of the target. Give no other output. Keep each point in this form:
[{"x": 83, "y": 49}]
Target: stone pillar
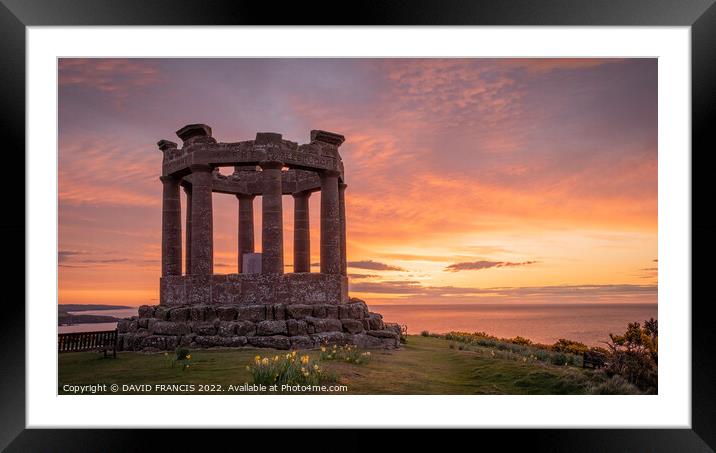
[
  {"x": 202, "y": 235},
  {"x": 301, "y": 233},
  {"x": 342, "y": 216},
  {"x": 330, "y": 224},
  {"x": 171, "y": 226},
  {"x": 246, "y": 227},
  {"x": 272, "y": 219},
  {"x": 187, "y": 241}
]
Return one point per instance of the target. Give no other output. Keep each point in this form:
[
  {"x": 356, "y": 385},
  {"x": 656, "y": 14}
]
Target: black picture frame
[{"x": 16, "y": 15}]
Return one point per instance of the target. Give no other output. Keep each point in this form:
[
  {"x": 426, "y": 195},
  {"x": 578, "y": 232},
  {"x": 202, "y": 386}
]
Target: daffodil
[
  {"x": 304, "y": 359},
  {"x": 315, "y": 367},
  {"x": 323, "y": 349},
  {"x": 265, "y": 361},
  {"x": 188, "y": 357}
]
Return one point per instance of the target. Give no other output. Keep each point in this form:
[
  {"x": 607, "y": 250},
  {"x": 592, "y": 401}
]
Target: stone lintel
[
  {"x": 263, "y": 138},
  {"x": 271, "y": 165}
]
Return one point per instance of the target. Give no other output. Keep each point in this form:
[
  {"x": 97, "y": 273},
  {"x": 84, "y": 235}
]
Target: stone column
[
  {"x": 246, "y": 226},
  {"x": 272, "y": 219},
  {"x": 171, "y": 226},
  {"x": 342, "y": 216},
  {"x": 301, "y": 233},
  {"x": 330, "y": 224},
  {"x": 187, "y": 241},
  {"x": 202, "y": 236}
]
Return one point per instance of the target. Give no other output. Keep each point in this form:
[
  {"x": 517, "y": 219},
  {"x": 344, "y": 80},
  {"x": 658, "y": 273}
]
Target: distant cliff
[{"x": 64, "y": 317}]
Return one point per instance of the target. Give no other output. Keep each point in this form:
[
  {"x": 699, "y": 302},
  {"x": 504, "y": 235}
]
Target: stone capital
[
  {"x": 197, "y": 168},
  {"x": 302, "y": 194},
  {"x": 327, "y": 173},
  {"x": 331, "y": 138},
  {"x": 270, "y": 165},
  {"x": 245, "y": 196},
  {"x": 166, "y": 179},
  {"x": 165, "y": 145},
  {"x": 193, "y": 130},
  {"x": 342, "y": 185}
]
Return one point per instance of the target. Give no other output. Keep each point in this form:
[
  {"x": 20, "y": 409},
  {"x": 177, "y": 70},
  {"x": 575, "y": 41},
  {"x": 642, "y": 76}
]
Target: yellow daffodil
[
  {"x": 304, "y": 359},
  {"x": 188, "y": 356},
  {"x": 323, "y": 349},
  {"x": 265, "y": 361},
  {"x": 315, "y": 367}
]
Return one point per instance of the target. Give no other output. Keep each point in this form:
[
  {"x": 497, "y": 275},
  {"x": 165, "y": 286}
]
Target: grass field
[{"x": 424, "y": 365}]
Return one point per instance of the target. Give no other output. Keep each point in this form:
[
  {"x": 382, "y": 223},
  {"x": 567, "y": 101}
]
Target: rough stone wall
[
  {"x": 296, "y": 288},
  {"x": 279, "y": 326}
]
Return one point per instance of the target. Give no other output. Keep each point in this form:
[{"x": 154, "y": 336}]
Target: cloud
[
  {"x": 373, "y": 265},
  {"x": 64, "y": 255},
  {"x": 368, "y": 264},
  {"x": 117, "y": 77},
  {"x": 104, "y": 171},
  {"x": 414, "y": 288},
  {"x": 362, "y": 276},
  {"x": 477, "y": 265}
]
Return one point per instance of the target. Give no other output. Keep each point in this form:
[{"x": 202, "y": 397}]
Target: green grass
[{"x": 424, "y": 365}]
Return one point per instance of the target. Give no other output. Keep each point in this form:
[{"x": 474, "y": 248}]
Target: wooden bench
[
  {"x": 593, "y": 359},
  {"x": 104, "y": 340}
]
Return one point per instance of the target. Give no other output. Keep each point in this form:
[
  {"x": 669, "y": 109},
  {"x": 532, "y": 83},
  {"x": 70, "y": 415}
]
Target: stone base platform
[{"x": 279, "y": 326}]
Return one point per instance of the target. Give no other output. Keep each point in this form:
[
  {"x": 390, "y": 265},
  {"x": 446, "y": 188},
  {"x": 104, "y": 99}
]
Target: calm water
[{"x": 588, "y": 323}]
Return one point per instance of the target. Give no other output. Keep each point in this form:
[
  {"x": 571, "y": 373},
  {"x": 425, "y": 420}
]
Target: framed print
[{"x": 385, "y": 224}]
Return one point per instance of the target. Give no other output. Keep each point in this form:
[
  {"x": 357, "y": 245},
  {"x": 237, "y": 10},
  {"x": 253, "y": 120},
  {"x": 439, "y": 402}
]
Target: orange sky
[{"x": 469, "y": 180}]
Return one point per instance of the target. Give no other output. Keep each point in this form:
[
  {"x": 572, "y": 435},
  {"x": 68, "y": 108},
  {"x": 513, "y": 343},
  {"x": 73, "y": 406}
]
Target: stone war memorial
[{"x": 261, "y": 305}]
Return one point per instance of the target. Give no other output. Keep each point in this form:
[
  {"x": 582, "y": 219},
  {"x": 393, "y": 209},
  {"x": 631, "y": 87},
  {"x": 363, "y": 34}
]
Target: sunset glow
[{"x": 469, "y": 180}]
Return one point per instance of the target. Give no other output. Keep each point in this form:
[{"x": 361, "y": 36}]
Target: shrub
[
  {"x": 520, "y": 340},
  {"x": 424, "y": 333},
  {"x": 634, "y": 355},
  {"x": 287, "y": 369},
  {"x": 182, "y": 358},
  {"x": 570, "y": 346},
  {"x": 559, "y": 359},
  {"x": 348, "y": 353},
  {"x": 403, "y": 334}
]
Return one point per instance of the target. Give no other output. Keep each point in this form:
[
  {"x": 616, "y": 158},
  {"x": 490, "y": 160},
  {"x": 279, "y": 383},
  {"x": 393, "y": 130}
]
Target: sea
[{"x": 542, "y": 323}]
